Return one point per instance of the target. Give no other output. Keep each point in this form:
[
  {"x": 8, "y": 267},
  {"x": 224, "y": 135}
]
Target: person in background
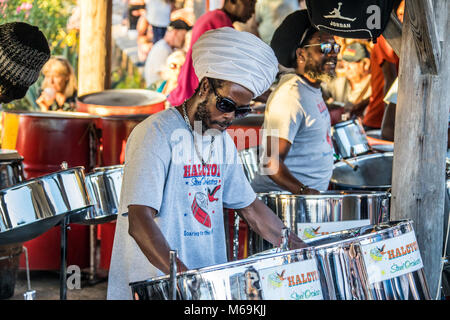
[
  {"x": 270, "y": 13},
  {"x": 296, "y": 129},
  {"x": 350, "y": 93},
  {"x": 135, "y": 9},
  {"x": 144, "y": 39},
  {"x": 158, "y": 16},
  {"x": 170, "y": 72},
  {"x": 59, "y": 88},
  {"x": 23, "y": 51},
  {"x": 232, "y": 11},
  {"x": 156, "y": 60}
]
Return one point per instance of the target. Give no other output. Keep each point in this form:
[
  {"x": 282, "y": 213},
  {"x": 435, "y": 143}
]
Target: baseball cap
[{"x": 355, "y": 52}]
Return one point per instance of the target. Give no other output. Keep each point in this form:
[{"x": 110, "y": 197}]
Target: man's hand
[{"x": 309, "y": 191}]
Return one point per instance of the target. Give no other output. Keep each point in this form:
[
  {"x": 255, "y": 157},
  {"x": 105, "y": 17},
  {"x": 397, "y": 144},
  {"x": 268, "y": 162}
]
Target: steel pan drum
[
  {"x": 121, "y": 101},
  {"x": 310, "y": 216},
  {"x": 30, "y": 208},
  {"x": 103, "y": 186},
  {"x": 11, "y": 168},
  {"x": 250, "y": 160},
  {"x": 285, "y": 275},
  {"x": 378, "y": 262},
  {"x": 349, "y": 139},
  {"x": 11, "y": 173},
  {"x": 373, "y": 172}
]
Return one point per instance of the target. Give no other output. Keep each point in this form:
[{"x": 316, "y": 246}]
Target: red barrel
[
  {"x": 115, "y": 131},
  {"x": 121, "y": 102},
  {"x": 45, "y": 140}
]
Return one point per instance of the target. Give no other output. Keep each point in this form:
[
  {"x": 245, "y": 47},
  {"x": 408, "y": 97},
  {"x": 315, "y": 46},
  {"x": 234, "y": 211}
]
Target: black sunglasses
[
  {"x": 326, "y": 47},
  {"x": 227, "y": 105}
]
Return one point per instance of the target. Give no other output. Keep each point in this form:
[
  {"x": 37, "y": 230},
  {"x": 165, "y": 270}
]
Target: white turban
[{"x": 236, "y": 56}]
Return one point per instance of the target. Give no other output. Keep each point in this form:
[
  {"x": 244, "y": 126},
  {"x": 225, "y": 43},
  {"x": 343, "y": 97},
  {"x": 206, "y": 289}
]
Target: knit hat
[
  {"x": 292, "y": 33},
  {"x": 23, "y": 52}
]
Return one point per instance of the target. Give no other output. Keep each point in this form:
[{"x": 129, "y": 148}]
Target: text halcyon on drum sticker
[
  {"x": 391, "y": 258},
  {"x": 294, "y": 281}
]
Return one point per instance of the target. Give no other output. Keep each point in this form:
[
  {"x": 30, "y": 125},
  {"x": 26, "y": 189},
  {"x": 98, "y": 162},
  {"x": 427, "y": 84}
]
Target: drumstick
[{"x": 354, "y": 167}]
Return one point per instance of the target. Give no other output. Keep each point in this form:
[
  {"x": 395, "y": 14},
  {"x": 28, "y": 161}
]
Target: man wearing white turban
[{"x": 182, "y": 169}]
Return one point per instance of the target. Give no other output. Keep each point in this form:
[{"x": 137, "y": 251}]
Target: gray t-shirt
[
  {"x": 163, "y": 171},
  {"x": 296, "y": 112}
]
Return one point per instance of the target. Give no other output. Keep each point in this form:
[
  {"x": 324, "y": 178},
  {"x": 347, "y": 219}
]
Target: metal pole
[
  {"x": 173, "y": 275},
  {"x": 63, "y": 266}
]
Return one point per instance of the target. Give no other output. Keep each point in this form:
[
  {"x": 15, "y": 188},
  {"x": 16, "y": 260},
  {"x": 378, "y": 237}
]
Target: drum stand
[{"x": 63, "y": 266}]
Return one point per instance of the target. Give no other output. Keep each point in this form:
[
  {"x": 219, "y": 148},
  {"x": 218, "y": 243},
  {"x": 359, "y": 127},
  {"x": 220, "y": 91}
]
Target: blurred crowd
[
  {"x": 364, "y": 73},
  {"x": 364, "y": 86}
]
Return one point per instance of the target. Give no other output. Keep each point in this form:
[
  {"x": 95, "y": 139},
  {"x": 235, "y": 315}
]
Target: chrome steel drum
[
  {"x": 368, "y": 172},
  {"x": 11, "y": 168},
  {"x": 310, "y": 216},
  {"x": 103, "y": 186},
  {"x": 250, "y": 160},
  {"x": 378, "y": 262},
  {"x": 285, "y": 275},
  {"x": 350, "y": 139},
  {"x": 30, "y": 208}
]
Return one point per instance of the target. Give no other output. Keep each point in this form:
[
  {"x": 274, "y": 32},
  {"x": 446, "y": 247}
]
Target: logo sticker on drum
[
  {"x": 294, "y": 281},
  {"x": 391, "y": 258},
  {"x": 312, "y": 230}
]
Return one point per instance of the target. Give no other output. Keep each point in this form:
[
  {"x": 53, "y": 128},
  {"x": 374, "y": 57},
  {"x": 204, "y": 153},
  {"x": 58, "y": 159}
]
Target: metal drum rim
[
  {"x": 362, "y": 187},
  {"x": 221, "y": 266},
  {"x": 102, "y": 170},
  {"x": 330, "y": 195},
  {"x": 36, "y": 179},
  {"x": 344, "y": 123},
  {"x": 54, "y": 114},
  {"x": 340, "y": 243},
  {"x": 364, "y": 157},
  {"x": 159, "y": 97}
]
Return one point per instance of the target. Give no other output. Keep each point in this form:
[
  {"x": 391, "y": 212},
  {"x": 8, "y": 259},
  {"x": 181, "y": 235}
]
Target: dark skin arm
[
  {"x": 143, "y": 229},
  {"x": 358, "y": 108},
  {"x": 278, "y": 171},
  {"x": 264, "y": 222}
]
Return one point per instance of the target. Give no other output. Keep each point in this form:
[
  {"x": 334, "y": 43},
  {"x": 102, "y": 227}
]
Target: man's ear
[
  {"x": 204, "y": 87},
  {"x": 366, "y": 62},
  {"x": 300, "y": 55}
]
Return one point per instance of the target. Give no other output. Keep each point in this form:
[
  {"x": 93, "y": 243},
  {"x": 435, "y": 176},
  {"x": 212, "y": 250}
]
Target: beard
[
  {"x": 317, "y": 71},
  {"x": 203, "y": 115}
]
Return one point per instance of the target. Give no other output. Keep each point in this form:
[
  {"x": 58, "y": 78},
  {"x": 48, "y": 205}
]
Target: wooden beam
[
  {"x": 393, "y": 34},
  {"x": 425, "y": 35},
  {"x": 418, "y": 180},
  {"x": 94, "y": 71}
]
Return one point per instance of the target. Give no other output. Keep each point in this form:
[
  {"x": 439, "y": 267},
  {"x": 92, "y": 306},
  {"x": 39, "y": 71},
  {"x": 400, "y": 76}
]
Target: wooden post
[
  {"x": 393, "y": 34},
  {"x": 418, "y": 182},
  {"x": 94, "y": 73}
]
